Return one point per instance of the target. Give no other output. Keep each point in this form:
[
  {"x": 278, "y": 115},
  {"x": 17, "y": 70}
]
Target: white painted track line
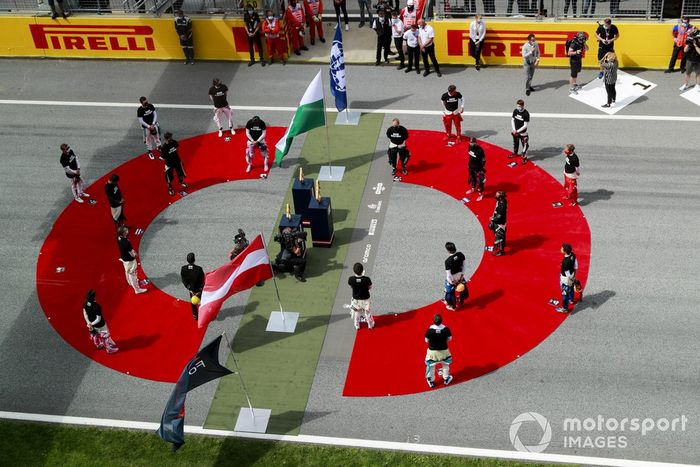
[{"x": 344, "y": 442}]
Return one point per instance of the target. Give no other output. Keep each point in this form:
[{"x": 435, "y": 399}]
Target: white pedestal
[
  {"x": 282, "y": 323},
  {"x": 348, "y": 118},
  {"x": 333, "y": 173},
  {"x": 253, "y": 422}
]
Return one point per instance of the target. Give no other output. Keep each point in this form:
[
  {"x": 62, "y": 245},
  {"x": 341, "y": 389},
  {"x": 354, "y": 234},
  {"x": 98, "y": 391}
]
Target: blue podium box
[
  {"x": 302, "y": 193},
  {"x": 294, "y": 222},
  {"x": 321, "y": 217}
]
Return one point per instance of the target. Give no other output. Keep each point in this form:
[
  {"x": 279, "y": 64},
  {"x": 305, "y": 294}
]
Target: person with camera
[
  {"x": 477, "y": 34},
  {"x": 453, "y": 106},
  {"x": 252, "y": 29},
  {"x": 240, "y": 242},
  {"x": 692, "y": 54},
  {"x": 572, "y": 171},
  {"x": 360, "y": 304},
  {"x": 455, "y": 268},
  {"x": 183, "y": 27},
  {"x": 426, "y": 38},
  {"x": 497, "y": 224},
  {"x": 193, "y": 279},
  {"x": 314, "y": 19},
  {"x": 397, "y": 135},
  {"x": 296, "y": 19},
  {"x": 173, "y": 163},
  {"x": 382, "y": 27},
  {"x": 292, "y": 252},
  {"x": 609, "y": 64},
  {"x": 518, "y": 129},
  {"x": 567, "y": 276},
  {"x": 575, "y": 50},
  {"x": 680, "y": 34},
  {"x": 606, "y": 34},
  {"x": 148, "y": 119},
  {"x": 477, "y": 168},
  {"x": 531, "y": 59}
]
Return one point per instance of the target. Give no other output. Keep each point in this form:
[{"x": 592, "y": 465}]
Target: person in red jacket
[
  {"x": 271, "y": 30},
  {"x": 314, "y": 12},
  {"x": 296, "y": 18}
]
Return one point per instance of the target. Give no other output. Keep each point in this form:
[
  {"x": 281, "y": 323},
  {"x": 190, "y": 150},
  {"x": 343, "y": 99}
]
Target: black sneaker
[
  {"x": 525, "y": 159},
  {"x": 408, "y": 70},
  {"x": 251, "y": 63},
  {"x": 323, "y": 41},
  {"x": 431, "y": 384},
  {"x": 426, "y": 73},
  {"x": 262, "y": 62},
  {"x": 304, "y": 48},
  {"x": 296, "y": 52},
  {"x": 361, "y": 25},
  {"x": 313, "y": 42},
  {"x": 54, "y": 16},
  {"x": 150, "y": 155},
  {"x": 669, "y": 71},
  {"x": 449, "y": 380},
  {"x": 405, "y": 172},
  {"x": 300, "y": 278},
  {"x": 171, "y": 191},
  {"x": 527, "y": 93},
  {"x": 439, "y": 74}
]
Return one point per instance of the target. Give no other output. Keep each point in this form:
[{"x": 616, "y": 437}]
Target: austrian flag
[{"x": 251, "y": 266}]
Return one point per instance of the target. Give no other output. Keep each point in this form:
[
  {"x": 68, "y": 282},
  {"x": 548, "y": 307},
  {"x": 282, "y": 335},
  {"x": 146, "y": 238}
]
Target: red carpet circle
[{"x": 507, "y": 313}]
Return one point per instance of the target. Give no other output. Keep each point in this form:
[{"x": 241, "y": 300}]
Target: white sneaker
[
  {"x": 265, "y": 167},
  {"x": 84, "y": 195},
  {"x": 139, "y": 291},
  {"x": 233, "y": 132},
  {"x": 250, "y": 166},
  {"x": 347, "y": 27},
  {"x": 79, "y": 200},
  {"x": 221, "y": 132},
  {"x": 336, "y": 26},
  {"x": 683, "y": 88}
]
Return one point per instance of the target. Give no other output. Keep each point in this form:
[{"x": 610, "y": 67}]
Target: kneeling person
[
  {"x": 397, "y": 135},
  {"x": 437, "y": 337}
]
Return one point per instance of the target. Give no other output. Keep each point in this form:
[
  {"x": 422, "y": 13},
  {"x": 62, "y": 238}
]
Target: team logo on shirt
[
  {"x": 504, "y": 43},
  {"x": 92, "y": 37}
]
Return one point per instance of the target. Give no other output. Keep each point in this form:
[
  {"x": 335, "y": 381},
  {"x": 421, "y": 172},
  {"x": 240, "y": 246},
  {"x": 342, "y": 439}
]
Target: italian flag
[{"x": 309, "y": 115}]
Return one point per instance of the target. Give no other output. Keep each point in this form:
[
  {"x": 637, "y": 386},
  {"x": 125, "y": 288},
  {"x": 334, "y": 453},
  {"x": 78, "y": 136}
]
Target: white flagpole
[
  {"x": 272, "y": 271},
  {"x": 238, "y": 372}
]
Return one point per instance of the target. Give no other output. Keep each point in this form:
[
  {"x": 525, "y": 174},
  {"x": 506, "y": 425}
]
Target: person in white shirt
[
  {"x": 397, "y": 35},
  {"x": 426, "y": 38},
  {"x": 477, "y": 33},
  {"x": 531, "y": 58},
  {"x": 412, "y": 48}
]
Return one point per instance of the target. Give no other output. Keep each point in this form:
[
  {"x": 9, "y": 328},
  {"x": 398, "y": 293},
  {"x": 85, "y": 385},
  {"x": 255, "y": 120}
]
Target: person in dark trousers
[
  {"x": 412, "y": 48},
  {"x": 477, "y": 34},
  {"x": 438, "y": 337},
  {"x": 609, "y": 64},
  {"x": 426, "y": 40},
  {"x": 518, "y": 128},
  {"x": 360, "y": 303},
  {"x": 99, "y": 332},
  {"x": 128, "y": 255},
  {"x": 55, "y": 6},
  {"x": 606, "y": 34},
  {"x": 183, "y": 27},
  {"x": 252, "y": 28},
  {"x": 148, "y": 119},
  {"x": 339, "y": 5},
  {"x": 382, "y": 27},
  {"x": 567, "y": 276},
  {"x": 576, "y": 48},
  {"x": 397, "y": 135},
  {"x": 115, "y": 200},
  {"x": 680, "y": 34},
  {"x": 193, "y": 279},
  {"x": 572, "y": 171},
  {"x": 497, "y": 224},
  {"x": 477, "y": 168},
  {"x": 71, "y": 167},
  {"x": 455, "y": 267},
  {"x": 173, "y": 163},
  {"x": 397, "y": 31}
]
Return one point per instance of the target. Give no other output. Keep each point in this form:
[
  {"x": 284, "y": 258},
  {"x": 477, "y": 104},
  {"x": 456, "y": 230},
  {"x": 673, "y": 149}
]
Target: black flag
[{"x": 204, "y": 367}]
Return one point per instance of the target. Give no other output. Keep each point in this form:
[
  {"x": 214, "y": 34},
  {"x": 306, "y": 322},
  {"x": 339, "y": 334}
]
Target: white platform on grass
[
  {"x": 253, "y": 422},
  {"x": 692, "y": 94},
  {"x": 348, "y": 118},
  {"x": 333, "y": 173},
  {"x": 629, "y": 88},
  {"x": 282, "y": 321}
]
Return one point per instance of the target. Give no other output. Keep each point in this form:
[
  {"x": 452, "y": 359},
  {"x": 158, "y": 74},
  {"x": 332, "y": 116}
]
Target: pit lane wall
[{"x": 643, "y": 45}]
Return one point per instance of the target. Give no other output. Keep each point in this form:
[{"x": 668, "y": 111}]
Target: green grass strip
[
  {"x": 34, "y": 445},
  {"x": 278, "y": 368}
]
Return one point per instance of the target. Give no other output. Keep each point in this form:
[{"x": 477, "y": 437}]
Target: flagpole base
[
  {"x": 280, "y": 323},
  {"x": 348, "y": 118},
  {"x": 333, "y": 173},
  {"x": 253, "y": 422}
]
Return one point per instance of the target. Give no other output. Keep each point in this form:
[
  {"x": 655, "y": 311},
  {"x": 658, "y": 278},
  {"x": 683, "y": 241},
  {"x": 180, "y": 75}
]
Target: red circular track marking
[
  {"x": 154, "y": 331},
  {"x": 507, "y": 313}
]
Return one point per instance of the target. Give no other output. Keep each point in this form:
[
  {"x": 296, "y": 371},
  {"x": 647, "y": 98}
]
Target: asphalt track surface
[{"x": 629, "y": 351}]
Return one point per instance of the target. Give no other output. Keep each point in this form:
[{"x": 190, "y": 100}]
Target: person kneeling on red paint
[{"x": 99, "y": 333}]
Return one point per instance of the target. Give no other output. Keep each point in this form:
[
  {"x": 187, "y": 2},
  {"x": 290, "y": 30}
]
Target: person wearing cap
[
  {"x": 680, "y": 33},
  {"x": 606, "y": 34},
  {"x": 426, "y": 40},
  {"x": 193, "y": 279},
  {"x": 183, "y": 27},
  {"x": 408, "y": 15},
  {"x": 477, "y": 33},
  {"x": 577, "y": 47},
  {"x": 438, "y": 337}
]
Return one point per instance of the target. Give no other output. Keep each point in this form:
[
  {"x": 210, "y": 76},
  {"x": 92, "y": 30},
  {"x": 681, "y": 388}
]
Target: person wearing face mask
[
  {"x": 408, "y": 15},
  {"x": 183, "y": 27},
  {"x": 295, "y": 18},
  {"x": 606, "y": 34},
  {"x": 572, "y": 171},
  {"x": 680, "y": 34},
  {"x": 252, "y": 26},
  {"x": 412, "y": 49},
  {"x": 531, "y": 58},
  {"x": 477, "y": 33},
  {"x": 382, "y": 27},
  {"x": 314, "y": 12},
  {"x": 397, "y": 35},
  {"x": 518, "y": 125},
  {"x": 426, "y": 38},
  {"x": 271, "y": 29}
]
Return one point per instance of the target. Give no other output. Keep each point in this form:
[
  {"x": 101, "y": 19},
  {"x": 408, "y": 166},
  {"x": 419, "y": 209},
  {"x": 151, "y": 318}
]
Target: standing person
[
  {"x": 606, "y": 34},
  {"x": 397, "y": 135},
  {"x": 218, "y": 94},
  {"x": 360, "y": 304},
  {"x": 148, "y": 118},
  {"x": 518, "y": 128},
  {"x": 455, "y": 268},
  {"x": 295, "y": 18},
  {"x": 572, "y": 171},
  {"x": 397, "y": 34},
  {"x": 173, "y": 163},
  {"x": 382, "y": 27},
  {"x": 115, "y": 200},
  {"x": 477, "y": 168},
  {"x": 477, "y": 34},
  {"x": 255, "y": 132},
  {"x": 412, "y": 48},
  {"x": 575, "y": 50},
  {"x": 252, "y": 29},
  {"x": 340, "y": 5},
  {"x": 567, "y": 276},
  {"x": 314, "y": 19},
  {"x": 497, "y": 224},
  {"x": 55, "y": 6},
  {"x": 453, "y": 105},
  {"x": 99, "y": 332},
  {"x": 127, "y": 255},
  {"x": 531, "y": 59},
  {"x": 680, "y": 34},
  {"x": 609, "y": 64},
  {"x": 573, "y": 4},
  {"x": 271, "y": 29},
  {"x": 426, "y": 38},
  {"x": 437, "y": 337},
  {"x": 71, "y": 166},
  {"x": 364, "y": 5},
  {"x": 408, "y": 15},
  {"x": 183, "y": 27},
  {"x": 692, "y": 54},
  {"x": 193, "y": 279}
]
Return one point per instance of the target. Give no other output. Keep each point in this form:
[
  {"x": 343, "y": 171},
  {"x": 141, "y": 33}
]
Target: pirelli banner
[{"x": 642, "y": 45}]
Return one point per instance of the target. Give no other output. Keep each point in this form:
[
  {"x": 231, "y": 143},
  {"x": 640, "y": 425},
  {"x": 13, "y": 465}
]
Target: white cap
[{"x": 409, "y": 3}]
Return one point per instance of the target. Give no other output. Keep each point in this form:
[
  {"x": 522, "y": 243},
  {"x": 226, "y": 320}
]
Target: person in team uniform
[
  {"x": 71, "y": 166},
  {"x": 295, "y": 18},
  {"x": 518, "y": 128},
  {"x": 497, "y": 224},
  {"x": 218, "y": 95},
  {"x": 252, "y": 27},
  {"x": 271, "y": 29},
  {"x": 99, "y": 332},
  {"x": 255, "y": 131},
  {"x": 148, "y": 118},
  {"x": 438, "y": 337},
  {"x": 426, "y": 40},
  {"x": 455, "y": 268},
  {"x": 412, "y": 48},
  {"x": 115, "y": 200},
  {"x": 397, "y": 35},
  {"x": 173, "y": 163},
  {"x": 477, "y": 168},
  {"x": 360, "y": 304},
  {"x": 572, "y": 171},
  {"x": 314, "y": 19},
  {"x": 397, "y": 135},
  {"x": 382, "y": 27},
  {"x": 193, "y": 279},
  {"x": 183, "y": 27},
  {"x": 567, "y": 277},
  {"x": 408, "y": 16},
  {"x": 127, "y": 255},
  {"x": 453, "y": 104}
]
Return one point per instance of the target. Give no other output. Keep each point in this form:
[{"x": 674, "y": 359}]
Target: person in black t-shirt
[
  {"x": 438, "y": 337},
  {"x": 572, "y": 171},
  {"x": 193, "y": 279},
  {"x": 173, "y": 163},
  {"x": 518, "y": 126},
  {"x": 453, "y": 106},
  {"x": 455, "y": 281},
  {"x": 218, "y": 95},
  {"x": 397, "y": 135},
  {"x": 497, "y": 224},
  {"x": 252, "y": 28},
  {"x": 606, "y": 34},
  {"x": 567, "y": 277},
  {"x": 255, "y": 131},
  {"x": 477, "y": 168},
  {"x": 99, "y": 332},
  {"x": 148, "y": 119},
  {"x": 127, "y": 255},
  {"x": 576, "y": 48},
  {"x": 183, "y": 27},
  {"x": 115, "y": 200},
  {"x": 360, "y": 304},
  {"x": 71, "y": 166}
]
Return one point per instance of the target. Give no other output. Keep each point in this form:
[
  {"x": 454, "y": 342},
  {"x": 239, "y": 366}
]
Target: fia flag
[
  {"x": 249, "y": 267},
  {"x": 204, "y": 367},
  {"x": 337, "y": 71}
]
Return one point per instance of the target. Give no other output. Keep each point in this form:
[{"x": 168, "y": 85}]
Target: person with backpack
[{"x": 575, "y": 48}]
